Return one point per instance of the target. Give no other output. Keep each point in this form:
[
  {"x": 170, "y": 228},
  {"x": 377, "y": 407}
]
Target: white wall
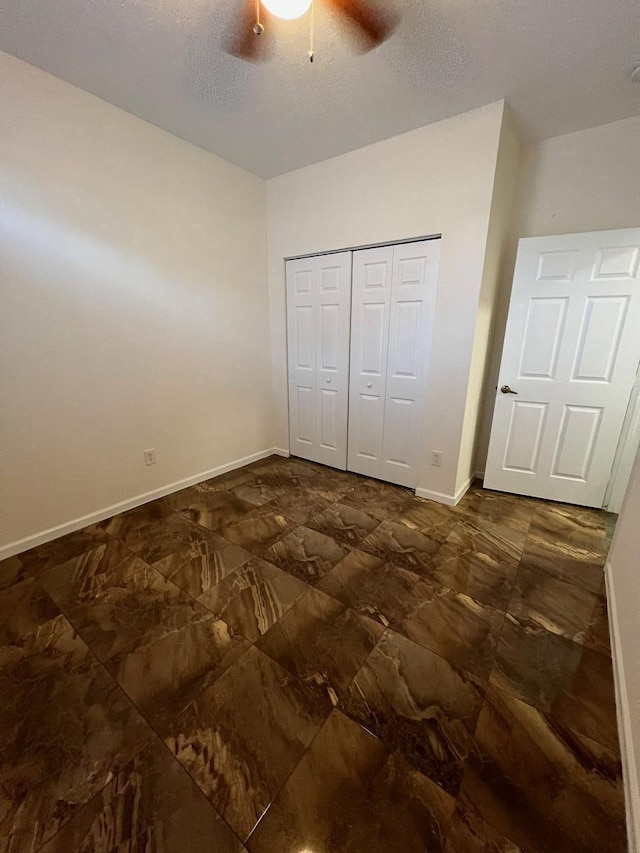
[
  {"x": 133, "y": 306},
  {"x": 586, "y": 181},
  {"x": 623, "y": 576},
  {"x": 438, "y": 179}
]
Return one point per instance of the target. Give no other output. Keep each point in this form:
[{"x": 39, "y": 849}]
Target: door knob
[
  {"x": 506, "y": 390},
  {"x": 328, "y": 379},
  {"x": 369, "y": 384}
]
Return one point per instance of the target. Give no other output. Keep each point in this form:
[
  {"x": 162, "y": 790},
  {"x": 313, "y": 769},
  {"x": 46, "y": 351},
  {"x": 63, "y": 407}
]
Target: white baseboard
[
  {"x": 442, "y": 498},
  {"x": 44, "y": 536},
  {"x": 629, "y": 769},
  {"x": 479, "y": 475}
]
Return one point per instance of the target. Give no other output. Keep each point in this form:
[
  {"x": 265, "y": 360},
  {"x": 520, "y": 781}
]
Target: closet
[{"x": 359, "y": 328}]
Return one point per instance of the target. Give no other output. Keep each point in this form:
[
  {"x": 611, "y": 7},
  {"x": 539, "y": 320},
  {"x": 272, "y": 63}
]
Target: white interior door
[
  {"x": 318, "y": 326},
  {"x": 371, "y": 301},
  {"x": 393, "y": 304},
  {"x": 570, "y": 356}
]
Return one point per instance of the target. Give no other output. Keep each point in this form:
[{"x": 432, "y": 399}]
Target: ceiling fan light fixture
[{"x": 288, "y": 10}]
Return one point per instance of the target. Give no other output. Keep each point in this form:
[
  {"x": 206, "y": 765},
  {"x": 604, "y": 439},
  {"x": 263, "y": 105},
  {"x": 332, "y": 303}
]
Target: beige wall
[
  {"x": 438, "y": 179},
  {"x": 133, "y": 306},
  {"x": 586, "y": 181},
  {"x": 496, "y": 258},
  {"x": 623, "y": 572}
]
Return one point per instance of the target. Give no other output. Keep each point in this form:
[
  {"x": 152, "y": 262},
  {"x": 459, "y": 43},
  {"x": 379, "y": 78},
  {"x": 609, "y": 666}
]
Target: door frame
[
  {"x": 364, "y": 246},
  {"x": 625, "y": 453}
]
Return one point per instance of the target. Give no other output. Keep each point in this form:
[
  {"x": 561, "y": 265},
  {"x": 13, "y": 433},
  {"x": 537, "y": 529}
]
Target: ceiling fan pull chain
[
  {"x": 311, "y": 53},
  {"x": 258, "y": 28}
]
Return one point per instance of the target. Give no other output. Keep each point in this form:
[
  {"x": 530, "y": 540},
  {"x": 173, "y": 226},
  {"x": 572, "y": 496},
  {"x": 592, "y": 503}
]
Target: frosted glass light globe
[{"x": 287, "y": 9}]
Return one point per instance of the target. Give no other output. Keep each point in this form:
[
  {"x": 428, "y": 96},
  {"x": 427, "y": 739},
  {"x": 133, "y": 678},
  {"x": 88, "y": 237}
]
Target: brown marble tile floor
[{"x": 291, "y": 659}]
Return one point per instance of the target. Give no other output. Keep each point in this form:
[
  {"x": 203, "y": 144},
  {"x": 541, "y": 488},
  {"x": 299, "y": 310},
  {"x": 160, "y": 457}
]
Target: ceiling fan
[{"x": 368, "y": 22}]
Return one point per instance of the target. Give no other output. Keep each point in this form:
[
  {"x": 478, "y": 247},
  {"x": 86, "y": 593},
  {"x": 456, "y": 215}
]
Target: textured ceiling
[{"x": 562, "y": 65}]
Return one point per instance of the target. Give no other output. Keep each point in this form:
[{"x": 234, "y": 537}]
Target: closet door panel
[
  {"x": 318, "y": 331},
  {"x": 370, "y": 417},
  {"x": 329, "y": 420},
  {"x": 302, "y": 357},
  {"x": 303, "y": 428},
  {"x": 415, "y": 273},
  {"x": 399, "y": 429},
  {"x": 333, "y": 318},
  {"x": 372, "y": 271}
]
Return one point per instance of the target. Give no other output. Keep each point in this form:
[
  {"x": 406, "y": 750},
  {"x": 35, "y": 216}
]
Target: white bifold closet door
[
  {"x": 318, "y": 320},
  {"x": 393, "y": 304}
]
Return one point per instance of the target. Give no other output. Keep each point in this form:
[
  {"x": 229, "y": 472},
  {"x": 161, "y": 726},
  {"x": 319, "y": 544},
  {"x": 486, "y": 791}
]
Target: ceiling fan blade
[
  {"x": 243, "y": 42},
  {"x": 371, "y": 24}
]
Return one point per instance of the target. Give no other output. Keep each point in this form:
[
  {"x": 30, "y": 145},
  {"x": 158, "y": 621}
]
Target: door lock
[{"x": 506, "y": 390}]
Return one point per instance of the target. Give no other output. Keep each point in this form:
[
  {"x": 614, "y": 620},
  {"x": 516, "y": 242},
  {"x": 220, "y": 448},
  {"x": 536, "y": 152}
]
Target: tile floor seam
[
  {"x": 154, "y": 739},
  {"x": 132, "y": 554},
  {"x": 97, "y": 793},
  {"x": 396, "y": 626},
  {"x": 209, "y": 617},
  {"x": 548, "y": 713},
  {"x": 388, "y": 631},
  {"x": 155, "y": 734},
  {"x": 551, "y": 574},
  {"x": 364, "y": 663},
  {"x": 200, "y": 791},
  {"x": 103, "y": 664},
  {"x": 182, "y": 710},
  {"x": 212, "y": 616},
  {"x": 334, "y": 710},
  {"x": 295, "y": 604},
  {"x": 285, "y": 611},
  {"x": 278, "y": 665},
  {"x": 221, "y": 532},
  {"x": 135, "y": 574},
  {"x": 97, "y": 659},
  {"x": 495, "y": 657},
  {"x": 62, "y": 562},
  {"x": 487, "y": 820},
  {"x": 118, "y": 688}
]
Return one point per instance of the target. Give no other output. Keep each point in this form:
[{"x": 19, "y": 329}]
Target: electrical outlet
[
  {"x": 150, "y": 456},
  {"x": 436, "y": 458}
]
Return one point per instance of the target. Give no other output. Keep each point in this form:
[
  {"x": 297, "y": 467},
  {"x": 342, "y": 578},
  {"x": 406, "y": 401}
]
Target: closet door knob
[
  {"x": 328, "y": 379},
  {"x": 369, "y": 384}
]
